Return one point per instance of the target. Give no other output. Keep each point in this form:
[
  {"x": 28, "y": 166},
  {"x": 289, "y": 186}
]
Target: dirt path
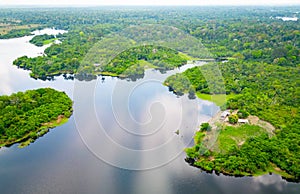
[
  {"x": 254, "y": 120},
  {"x": 59, "y": 118},
  {"x": 210, "y": 140}
]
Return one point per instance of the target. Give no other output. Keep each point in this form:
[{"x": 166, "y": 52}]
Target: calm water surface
[{"x": 120, "y": 139}]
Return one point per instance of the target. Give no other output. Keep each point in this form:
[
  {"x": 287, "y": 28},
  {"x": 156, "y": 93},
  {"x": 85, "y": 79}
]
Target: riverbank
[
  {"x": 45, "y": 128},
  {"x": 33, "y": 135}
]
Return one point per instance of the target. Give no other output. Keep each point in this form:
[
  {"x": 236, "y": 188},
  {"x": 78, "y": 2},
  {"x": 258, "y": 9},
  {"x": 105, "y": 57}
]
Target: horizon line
[{"x": 146, "y": 5}]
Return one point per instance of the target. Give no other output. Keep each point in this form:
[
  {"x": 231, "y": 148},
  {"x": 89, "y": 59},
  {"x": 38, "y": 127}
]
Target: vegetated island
[
  {"x": 25, "y": 116},
  {"x": 248, "y": 148},
  {"x": 41, "y": 40}
]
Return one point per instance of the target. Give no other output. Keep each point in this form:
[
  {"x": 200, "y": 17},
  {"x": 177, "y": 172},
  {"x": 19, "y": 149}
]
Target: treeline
[{"x": 25, "y": 115}]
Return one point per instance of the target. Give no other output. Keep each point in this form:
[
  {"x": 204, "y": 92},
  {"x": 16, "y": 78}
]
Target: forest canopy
[{"x": 247, "y": 33}]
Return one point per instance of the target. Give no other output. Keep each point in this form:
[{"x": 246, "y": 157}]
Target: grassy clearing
[
  {"x": 233, "y": 136},
  {"x": 45, "y": 42},
  {"x": 218, "y": 99}
]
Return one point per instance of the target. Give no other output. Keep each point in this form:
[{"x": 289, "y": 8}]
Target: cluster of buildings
[{"x": 227, "y": 113}]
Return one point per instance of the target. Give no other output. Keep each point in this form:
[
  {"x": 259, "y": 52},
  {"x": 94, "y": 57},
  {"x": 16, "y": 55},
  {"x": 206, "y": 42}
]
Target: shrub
[{"x": 233, "y": 119}]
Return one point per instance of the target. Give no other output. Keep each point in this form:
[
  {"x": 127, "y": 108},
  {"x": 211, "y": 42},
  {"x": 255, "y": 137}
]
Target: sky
[{"x": 149, "y": 2}]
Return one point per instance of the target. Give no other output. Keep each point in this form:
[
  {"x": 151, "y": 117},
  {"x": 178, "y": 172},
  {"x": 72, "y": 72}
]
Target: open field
[{"x": 6, "y": 28}]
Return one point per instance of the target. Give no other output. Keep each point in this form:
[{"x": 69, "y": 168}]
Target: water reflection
[
  {"x": 68, "y": 77},
  {"x": 85, "y": 77},
  {"x": 267, "y": 180},
  {"x": 136, "y": 120}
]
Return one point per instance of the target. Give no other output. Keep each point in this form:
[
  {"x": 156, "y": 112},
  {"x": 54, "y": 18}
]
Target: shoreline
[
  {"x": 282, "y": 174},
  {"x": 44, "y": 129}
]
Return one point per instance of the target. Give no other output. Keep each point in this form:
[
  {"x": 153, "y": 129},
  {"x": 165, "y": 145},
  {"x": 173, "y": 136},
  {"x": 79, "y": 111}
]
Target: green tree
[
  {"x": 233, "y": 119},
  {"x": 205, "y": 127},
  {"x": 242, "y": 114}
]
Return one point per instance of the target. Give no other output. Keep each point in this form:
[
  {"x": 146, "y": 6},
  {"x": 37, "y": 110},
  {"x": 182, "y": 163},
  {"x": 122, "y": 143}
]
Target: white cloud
[{"x": 149, "y": 2}]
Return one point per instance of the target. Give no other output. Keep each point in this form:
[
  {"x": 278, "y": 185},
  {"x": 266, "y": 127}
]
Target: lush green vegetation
[
  {"x": 233, "y": 119},
  {"x": 205, "y": 79},
  {"x": 242, "y": 114},
  {"x": 252, "y": 158},
  {"x": 258, "y": 90},
  {"x": 261, "y": 76},
  {"x": 205, "y": 127},
  {"x": 41, "y": 40},
  {"x": 25, "y": 116},
  {"x": 231, "y": 137},
  {"x": 179, "y": 84}
]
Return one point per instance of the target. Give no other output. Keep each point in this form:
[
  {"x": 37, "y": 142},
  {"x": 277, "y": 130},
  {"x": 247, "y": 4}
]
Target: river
[{"x": 120, "y": 139}]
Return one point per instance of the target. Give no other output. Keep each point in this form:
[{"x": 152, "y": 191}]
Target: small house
[
  {"x": 243, "y": 121},
  {"x": 225, "y": 114}
]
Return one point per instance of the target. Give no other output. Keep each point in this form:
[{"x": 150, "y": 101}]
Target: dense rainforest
[
  {"x": 261, "y": 75},
  {"x": 245, "y": 34},
  {"x": 24, "y": 116}
]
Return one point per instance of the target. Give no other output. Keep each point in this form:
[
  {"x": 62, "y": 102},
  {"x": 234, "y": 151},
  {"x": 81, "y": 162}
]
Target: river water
[{"x": 120, "y": 139}]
